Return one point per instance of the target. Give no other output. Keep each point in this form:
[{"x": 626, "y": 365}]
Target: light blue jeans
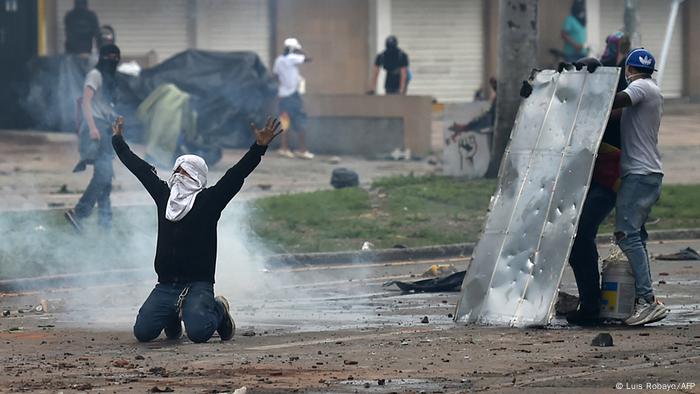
[{"x": 638, "y": 193}]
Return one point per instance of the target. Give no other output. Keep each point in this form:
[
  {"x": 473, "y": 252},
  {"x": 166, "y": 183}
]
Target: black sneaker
[
  {"x": 583, "y": 317},
  {"x": 74, "y": 221},
  {"x": 227, "y": 327},
  {"x": 174, "y": 330}
]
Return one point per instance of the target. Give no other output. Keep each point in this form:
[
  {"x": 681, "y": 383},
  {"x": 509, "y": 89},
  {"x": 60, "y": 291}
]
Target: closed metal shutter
[
  {"x": 234, "y": 25},
  {"x": 140, "y": 25},
  {"x": 444, "y": 42},
  {"x": 653, "y": 18}
]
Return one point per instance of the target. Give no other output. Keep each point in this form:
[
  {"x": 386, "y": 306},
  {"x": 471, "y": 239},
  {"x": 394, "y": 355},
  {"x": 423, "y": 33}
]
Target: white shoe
[
  {"x": 306, "y": 155},
  {"x": 647, "y": 312},
  {"x": 286, "y": 153}
]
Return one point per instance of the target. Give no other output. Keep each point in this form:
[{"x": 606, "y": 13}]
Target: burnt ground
[{"x": 336, "y": 329}]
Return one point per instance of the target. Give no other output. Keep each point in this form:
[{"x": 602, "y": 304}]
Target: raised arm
[
  {"x": 142, "y": 170},
  {"x": 232, "y": 181}
]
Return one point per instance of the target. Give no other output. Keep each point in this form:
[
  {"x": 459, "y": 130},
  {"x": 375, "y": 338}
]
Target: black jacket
[{"x": 186, "y": 249}]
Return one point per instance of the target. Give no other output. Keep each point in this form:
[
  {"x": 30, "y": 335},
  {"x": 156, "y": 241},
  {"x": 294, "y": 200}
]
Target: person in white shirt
[
  {"x": 641, "y": 174},
  {"x": 291, "y": 106}
]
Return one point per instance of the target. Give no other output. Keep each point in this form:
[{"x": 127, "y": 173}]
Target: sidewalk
[{"x": 34, "y": 166}]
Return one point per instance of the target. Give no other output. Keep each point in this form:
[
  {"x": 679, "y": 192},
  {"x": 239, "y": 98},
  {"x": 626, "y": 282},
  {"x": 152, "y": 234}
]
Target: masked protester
[
  {"x": 97, "y": 106},
  {"x": 641, "y": 175},
  {"x": 395, "y": 63},
  {"x": 573, "y": 32},
  {"x": 601, "y": 196},
  {"x": 188, "y": 213},
  {"x": 81, "y": 26}
]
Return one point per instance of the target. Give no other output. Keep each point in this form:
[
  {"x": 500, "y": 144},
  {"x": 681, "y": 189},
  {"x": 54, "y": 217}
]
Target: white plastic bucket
[{"x": 617, "y": 290}]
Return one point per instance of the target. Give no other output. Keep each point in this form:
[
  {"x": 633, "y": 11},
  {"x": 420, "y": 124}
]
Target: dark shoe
[
  {"x": 174, "y": 331},
  {"x": 74, "y": 221},
  {"x": 227, "y": 327},
  {"x": 583, "y": 317}
]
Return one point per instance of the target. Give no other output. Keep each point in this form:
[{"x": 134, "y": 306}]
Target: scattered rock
[
  {"x": 139, "y": 357},
  {"x": 81, "y": 386},
  {"x": 663, "y": 273},
  {"x": 265, "y": 186},
  {"x": 159, "y": 371},
  {"x": 565, "y": 303},
  {"x": 450, "y": 315},
  {"x": 366, "y": 385},
  {"x": 249, "y": 333},
  {"x": 603, "y": 339},
  {"x": 662, "y": 282},
  {"x": 334, "y": 160},
  {"x": 156, "y": 389},
  {"x": 5, "y": 313},
  {"x": 381, "y": 382},
  {"x": 349, "y": 362},
  {"x": 121, "y": 363},
  {"x": 424, "y": 320}
]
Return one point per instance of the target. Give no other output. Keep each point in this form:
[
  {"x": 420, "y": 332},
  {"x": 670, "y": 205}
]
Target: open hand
[
  {"x": 271, "y": 130},
  {"x": 118, "y": 126},
  {"x": 94, "y": 134}
]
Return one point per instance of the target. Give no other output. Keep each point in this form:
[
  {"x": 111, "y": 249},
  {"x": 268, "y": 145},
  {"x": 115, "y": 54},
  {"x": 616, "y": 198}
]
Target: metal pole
[
  {"x": 667, "y": 40},
  {"x": 632, "y": 22}
]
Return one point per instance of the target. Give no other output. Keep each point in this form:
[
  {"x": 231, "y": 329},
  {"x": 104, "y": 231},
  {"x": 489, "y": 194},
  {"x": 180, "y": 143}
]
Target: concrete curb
[
  {"x": 429, "y": 252},
  {"x": 371, "y": 256},
  {"x": 303, "y": 260}
]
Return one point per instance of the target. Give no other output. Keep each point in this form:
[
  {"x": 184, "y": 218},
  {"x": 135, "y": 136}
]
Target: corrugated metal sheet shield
[{"x": 514, "y": 275}]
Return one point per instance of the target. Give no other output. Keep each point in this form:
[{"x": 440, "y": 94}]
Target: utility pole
[
  {"x": 632, "y": 22},
  {"x": 517, "y": 56}
]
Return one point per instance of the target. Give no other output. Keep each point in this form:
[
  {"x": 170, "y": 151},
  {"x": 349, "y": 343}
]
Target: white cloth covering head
[{"x": 183, "y": 188}]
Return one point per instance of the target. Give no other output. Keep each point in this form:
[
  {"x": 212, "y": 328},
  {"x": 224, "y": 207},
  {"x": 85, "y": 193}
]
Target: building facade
[{"x": 451, "y": 43}]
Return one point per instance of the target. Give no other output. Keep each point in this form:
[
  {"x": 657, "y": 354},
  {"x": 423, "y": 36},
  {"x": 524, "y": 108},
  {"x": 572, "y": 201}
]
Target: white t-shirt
[
  {"x": 101, "y": 108},
  {"x": 639, "y": 129},
  {"x": 287, "y": 70}
]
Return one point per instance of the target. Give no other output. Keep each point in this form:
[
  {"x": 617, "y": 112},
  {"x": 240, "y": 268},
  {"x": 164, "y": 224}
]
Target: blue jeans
[
  {"x": 638, "y": 193},
  {"x": 600, "y": 201},
  {"x": 200, "y": 312},
  {"x": 99, "y": 189}
]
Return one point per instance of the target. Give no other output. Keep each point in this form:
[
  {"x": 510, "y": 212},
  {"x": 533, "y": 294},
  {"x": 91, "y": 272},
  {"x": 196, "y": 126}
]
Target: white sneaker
[
  {"x": 647, "y": 312},
  {"x": 286, "y": 153},
  {"x": 306, "y": 155}
]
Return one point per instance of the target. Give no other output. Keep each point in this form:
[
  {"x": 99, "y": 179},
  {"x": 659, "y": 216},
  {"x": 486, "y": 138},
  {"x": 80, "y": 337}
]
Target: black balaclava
[
  {"x": 107, "y": 66},
  {"x": 80, "y": 4},
  {"x": 391, "y": 43},
  {"x": 578, "y": 10},
  {"x": 391, "y": 54}
]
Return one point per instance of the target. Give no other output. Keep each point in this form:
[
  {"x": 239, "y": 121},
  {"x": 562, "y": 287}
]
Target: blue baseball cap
[{"x": 642, "y": 59}]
